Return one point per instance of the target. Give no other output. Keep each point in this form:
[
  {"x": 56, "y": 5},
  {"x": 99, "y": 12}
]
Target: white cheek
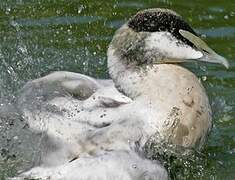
[{"x": 169, "y": 46}]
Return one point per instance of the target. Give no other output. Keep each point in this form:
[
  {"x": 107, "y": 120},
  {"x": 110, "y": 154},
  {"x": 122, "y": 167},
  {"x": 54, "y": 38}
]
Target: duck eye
[{"x": 205, "y": 51}]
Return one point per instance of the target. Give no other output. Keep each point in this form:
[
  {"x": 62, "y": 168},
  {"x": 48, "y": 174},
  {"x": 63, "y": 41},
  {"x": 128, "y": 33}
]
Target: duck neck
[{"x": 128, "y": 78}]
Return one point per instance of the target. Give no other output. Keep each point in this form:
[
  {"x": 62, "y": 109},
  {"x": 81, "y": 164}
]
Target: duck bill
[
  {"x": 214, "y": 58},
  {"x": 208, "y": 54}
]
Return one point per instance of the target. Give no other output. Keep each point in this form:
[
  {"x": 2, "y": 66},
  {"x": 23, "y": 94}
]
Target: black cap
[{"x": 160, "y": 20}]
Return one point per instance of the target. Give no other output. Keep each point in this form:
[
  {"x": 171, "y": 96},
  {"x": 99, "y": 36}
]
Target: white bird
[{"x": 101, "y": 131}]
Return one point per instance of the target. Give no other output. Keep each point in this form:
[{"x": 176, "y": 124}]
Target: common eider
[{"x": 101, "y": 131}]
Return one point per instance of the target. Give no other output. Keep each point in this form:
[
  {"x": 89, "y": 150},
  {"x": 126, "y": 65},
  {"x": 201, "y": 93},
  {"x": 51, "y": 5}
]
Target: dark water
[{"x": 41, "y": 36}]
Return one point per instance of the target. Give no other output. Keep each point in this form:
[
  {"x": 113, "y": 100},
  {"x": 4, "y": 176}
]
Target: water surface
[{"x": 41, "y": 36}]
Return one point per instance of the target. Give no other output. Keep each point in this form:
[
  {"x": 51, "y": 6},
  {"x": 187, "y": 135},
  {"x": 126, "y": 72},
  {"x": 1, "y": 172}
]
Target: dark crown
[{"x": 157, "y": 20}]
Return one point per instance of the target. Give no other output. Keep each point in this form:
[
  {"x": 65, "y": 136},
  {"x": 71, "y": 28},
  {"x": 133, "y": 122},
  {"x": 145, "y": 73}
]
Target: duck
[
  {"x": 109, "y": 125},
  {"x": 144, "y": 60}
]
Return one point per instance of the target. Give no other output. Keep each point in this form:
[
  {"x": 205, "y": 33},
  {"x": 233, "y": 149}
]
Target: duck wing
[
  {"x": 115, "y": 165},
  {"x": 63, "y": 107}
]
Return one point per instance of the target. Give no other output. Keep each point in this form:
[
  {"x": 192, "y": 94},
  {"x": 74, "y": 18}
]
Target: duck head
[{"x": 156, "y": 36}]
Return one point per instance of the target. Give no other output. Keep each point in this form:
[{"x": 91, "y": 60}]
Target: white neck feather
[{"x": 126, "y": 79}]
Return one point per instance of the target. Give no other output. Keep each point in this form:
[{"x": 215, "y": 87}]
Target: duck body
[{"x": 175, "y": 103}]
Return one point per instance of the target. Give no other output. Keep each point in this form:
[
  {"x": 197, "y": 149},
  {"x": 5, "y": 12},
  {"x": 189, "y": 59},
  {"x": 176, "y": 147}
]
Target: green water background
[{"x": 41, "y": 36}]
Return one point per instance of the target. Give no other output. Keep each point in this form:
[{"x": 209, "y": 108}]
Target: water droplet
[
  {"x": 203, "y": 68},
  {"x": 232, "y": 13},
  {"x": 226, "y": 17},
  {"x": 58, "y": 12},
  {"x": 203, "y": 35},
  {"x": 15, "y": 25},
  {"x": 210, "y": 17},
  {"x": 221, "y": 163},
  {"x": 232, "y": 151},
  {"x": 15, "y": 137},
  {"x": 8, "y": 10},
  {"x": 204, "y": 78},
  {"x": 69, "y": 32},
  {"x": 69, "y": 40},
  {"x": 80, "y": 9}
]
